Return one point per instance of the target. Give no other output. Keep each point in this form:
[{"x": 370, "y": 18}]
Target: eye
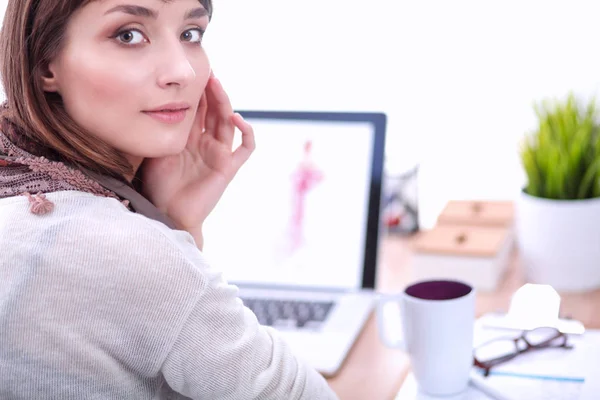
[
  {"x": 193, "y": 35},
  {"x": 131, "y": 37}
]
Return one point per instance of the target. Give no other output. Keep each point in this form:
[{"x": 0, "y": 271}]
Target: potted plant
[{"x": 558, "y": 211}]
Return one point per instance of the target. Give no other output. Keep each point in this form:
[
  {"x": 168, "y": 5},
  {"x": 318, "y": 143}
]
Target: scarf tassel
[{"x": 39, "y": 204}]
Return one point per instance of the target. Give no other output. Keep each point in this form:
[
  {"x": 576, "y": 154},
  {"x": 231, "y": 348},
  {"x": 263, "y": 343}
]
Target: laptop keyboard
[{"x": 289, "y": 313}]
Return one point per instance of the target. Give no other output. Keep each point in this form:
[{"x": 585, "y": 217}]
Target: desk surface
[{"x": 374, "y": 372}]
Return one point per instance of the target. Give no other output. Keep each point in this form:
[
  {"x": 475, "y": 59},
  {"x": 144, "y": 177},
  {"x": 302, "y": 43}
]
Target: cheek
[{"x": 97, "y": 82}]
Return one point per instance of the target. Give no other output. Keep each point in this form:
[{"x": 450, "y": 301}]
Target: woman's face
[{"x": 132, "y": 73}]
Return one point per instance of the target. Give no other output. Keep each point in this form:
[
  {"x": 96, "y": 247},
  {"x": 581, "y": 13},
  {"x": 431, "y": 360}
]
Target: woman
[{"x": 115, "y": 144}]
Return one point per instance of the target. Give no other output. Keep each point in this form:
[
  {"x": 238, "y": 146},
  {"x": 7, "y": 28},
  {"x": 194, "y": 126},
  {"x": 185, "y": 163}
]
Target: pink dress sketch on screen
[{"x": 304, "y": 179}]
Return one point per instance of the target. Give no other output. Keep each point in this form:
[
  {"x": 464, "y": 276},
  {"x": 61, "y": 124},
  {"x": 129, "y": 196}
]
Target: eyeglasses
[{"x": 501, "y": 350}]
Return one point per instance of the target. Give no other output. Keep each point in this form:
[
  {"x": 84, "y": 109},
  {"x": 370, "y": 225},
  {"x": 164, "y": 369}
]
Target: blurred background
[{"x": 457, "y": 79}]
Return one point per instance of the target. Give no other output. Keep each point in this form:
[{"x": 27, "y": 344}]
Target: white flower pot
[{"x": 559, "y": 242}]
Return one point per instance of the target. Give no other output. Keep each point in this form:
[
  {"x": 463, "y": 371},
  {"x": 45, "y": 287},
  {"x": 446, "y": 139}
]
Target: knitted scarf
[{"x": 31, "y": 170}]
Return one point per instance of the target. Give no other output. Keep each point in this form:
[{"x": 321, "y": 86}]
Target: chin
[{"x": 166, "y": 145}]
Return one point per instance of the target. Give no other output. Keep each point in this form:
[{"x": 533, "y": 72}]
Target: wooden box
[
  {"x": 477, "y": 255},
  {"x": 480, "y": 213}
]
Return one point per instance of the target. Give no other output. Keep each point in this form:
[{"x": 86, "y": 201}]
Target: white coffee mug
[{"x": 433, "y": 322}]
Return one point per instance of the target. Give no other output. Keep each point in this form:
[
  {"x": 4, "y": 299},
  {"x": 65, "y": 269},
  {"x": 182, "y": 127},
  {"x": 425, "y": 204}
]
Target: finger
[
  {"x": 221, "y": 111},
  {"x": 243, "y": 152},
  {"x": 199, "y": 123},
  {"x": 211, "y": 112},
  {"x": 203, "y": 110}
]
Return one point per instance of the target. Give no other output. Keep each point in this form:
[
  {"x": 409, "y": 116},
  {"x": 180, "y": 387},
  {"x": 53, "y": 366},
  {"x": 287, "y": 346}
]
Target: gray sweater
[{"x": 97, "y": 302}]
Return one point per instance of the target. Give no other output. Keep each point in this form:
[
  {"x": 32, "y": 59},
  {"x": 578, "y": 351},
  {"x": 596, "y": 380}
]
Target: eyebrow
[
  {"x": 196, "y": 13},
  {"x": 140, "y": 11}
]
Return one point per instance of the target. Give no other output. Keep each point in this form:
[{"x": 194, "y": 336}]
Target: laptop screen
[{"x": 296, "y": 214}]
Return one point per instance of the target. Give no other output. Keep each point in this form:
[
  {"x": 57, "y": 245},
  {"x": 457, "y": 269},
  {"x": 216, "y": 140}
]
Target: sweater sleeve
[{"x": 223, "y": 353}]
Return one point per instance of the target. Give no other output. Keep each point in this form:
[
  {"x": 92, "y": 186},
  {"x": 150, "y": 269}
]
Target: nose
[{"x": 175, "y": 67}]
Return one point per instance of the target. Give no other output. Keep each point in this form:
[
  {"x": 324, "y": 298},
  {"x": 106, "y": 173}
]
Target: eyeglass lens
[
  {"x": 508, "y": 347},
  {"x": 543, "y": 337},
  {"x": 495, "y": 350}
]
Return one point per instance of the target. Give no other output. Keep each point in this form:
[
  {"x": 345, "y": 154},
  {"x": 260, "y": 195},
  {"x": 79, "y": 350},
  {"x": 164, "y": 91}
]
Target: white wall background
[{"x": 457, "y": 78}]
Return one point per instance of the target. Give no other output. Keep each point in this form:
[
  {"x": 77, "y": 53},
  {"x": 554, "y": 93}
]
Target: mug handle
[{"x": 388, "y": 322}]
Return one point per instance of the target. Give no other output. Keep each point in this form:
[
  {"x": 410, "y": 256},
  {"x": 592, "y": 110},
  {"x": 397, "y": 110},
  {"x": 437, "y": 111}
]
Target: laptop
[{"x": 297, "y": 229}]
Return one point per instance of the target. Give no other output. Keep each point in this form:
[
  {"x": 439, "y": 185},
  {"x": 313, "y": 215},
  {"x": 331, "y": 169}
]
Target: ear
[{"x": 49, "y": 78}]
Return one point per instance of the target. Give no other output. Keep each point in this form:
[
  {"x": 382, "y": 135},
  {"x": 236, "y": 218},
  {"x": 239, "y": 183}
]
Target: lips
[{"x": 169, "y": 113}]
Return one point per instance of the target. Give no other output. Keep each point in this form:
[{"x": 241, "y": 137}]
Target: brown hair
[{"x": 32, "y": 36}]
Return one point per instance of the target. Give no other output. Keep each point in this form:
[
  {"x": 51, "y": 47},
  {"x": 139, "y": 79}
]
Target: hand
[{"x": 187, "y": 186}]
